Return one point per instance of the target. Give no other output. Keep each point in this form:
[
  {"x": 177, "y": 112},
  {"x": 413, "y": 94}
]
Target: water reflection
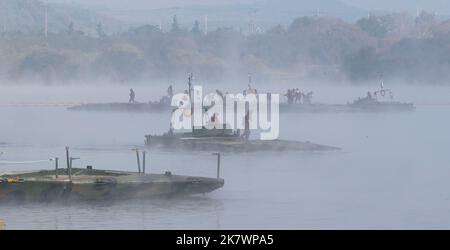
[{"x": 197, "y": 212}]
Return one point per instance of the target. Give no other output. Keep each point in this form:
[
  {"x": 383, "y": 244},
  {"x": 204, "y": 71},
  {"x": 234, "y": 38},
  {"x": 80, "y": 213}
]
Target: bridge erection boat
[
  {"x": 381, "y": 100},
  {"x": 226, "y": 140}
]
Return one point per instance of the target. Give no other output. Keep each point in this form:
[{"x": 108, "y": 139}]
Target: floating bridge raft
[
  {"x": 152, "y": 107},
  {"x": 99, "y": 185},
  {"x": 375, "y": 106},
  {"x": 158, "y": 107}
]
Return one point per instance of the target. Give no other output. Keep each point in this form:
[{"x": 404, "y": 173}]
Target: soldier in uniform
[
  {"x": 247, "y": 126},
  {"x": 132, "y": 96},
  {"x": 170, "y": 91}
]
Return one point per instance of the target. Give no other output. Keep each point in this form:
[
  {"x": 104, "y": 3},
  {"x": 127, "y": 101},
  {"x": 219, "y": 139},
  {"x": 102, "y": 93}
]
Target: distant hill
[
  {"x": 411, "y": 6},
  {"x": 240, "y": 13},
  {"x": 287, "y": 10},
  {"x": 261, "y": 14},
  {"x": 28, "y": 16}
]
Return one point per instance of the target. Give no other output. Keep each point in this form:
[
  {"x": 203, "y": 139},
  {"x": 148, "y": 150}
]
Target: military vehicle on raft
[{"x": 88, "y": 184}]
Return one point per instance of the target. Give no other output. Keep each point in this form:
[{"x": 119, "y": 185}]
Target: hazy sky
[
  {"x": 399, "y": 5},
  {"x": 442, "y": 6},
  {"x": 372, "y": 4},
  {"x": 153, "y": 4}
]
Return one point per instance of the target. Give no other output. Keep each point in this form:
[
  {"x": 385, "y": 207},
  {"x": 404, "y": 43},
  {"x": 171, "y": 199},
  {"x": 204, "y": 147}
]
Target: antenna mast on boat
[
  {"x": 191, "y": 76},
  {"x": 190, "y": 86}
]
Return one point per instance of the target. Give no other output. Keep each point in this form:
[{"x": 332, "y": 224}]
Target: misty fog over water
[{"x": 392, "y": 171}]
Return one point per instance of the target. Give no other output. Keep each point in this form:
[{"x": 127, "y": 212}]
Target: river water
[{"x": 393, "y": 171}]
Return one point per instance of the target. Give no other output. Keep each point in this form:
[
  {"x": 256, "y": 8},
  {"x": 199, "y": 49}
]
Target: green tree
[
  {"x": 362, "y": 65},
  {"x": 373, "y": 26},
  {"x": 123, "y": 62}
]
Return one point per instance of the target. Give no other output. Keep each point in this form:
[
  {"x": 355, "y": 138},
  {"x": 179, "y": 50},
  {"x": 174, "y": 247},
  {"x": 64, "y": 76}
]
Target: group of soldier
[
  {"x": 297, "y": 96},
  {"x": 294, "y": 96}
]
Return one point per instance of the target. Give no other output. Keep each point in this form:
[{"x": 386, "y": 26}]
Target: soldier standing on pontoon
[
  {"x": 247, "y": 126},
  {"x": 170, "y": 91},
  {"x": 132, "y": 96}
]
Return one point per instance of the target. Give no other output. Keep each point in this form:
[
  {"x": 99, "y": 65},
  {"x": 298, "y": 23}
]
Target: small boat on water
[
  {"x": 370, "y": 104},
  {"x": 376, "y": 101}
]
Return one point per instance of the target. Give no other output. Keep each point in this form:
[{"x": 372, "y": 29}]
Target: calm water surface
[{"x": 393, "y": 171}]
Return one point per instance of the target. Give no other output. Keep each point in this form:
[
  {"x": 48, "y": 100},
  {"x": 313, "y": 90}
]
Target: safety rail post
[
  {"x": 56, "y": 167},
  {"x": 218, "y": 164},
  {"x": 143, "y": 161},
  {"x": 138, "y": 160},
  {"x": 67, "y": 158}
]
